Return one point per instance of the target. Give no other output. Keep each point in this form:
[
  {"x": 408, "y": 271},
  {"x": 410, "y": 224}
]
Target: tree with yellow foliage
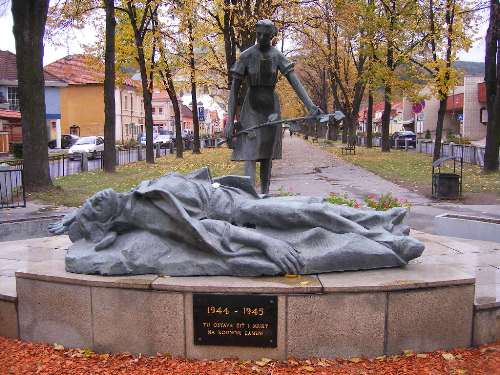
[
  {"x": 334, "y": 29},
  {"x": 450, "y": 29}
]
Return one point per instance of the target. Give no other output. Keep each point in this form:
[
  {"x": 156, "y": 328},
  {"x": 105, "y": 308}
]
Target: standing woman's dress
[{"x": 261, "y": 71}]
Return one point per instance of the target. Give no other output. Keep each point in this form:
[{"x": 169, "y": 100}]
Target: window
[
  {"x": 160, "y": 110},
  {"x": 125, "y": 102},
  {"x": 483, "y": 116},
  {"x": 13, "y": 98},
  {"x": 74, "y": 130},
  {"x": 154, "y": 110}
]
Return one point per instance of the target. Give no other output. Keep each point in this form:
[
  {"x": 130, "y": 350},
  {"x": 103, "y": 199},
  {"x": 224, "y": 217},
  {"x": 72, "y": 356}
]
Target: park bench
[{"x": 349, "y": 148}]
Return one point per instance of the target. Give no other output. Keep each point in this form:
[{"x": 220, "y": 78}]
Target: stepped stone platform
[{"x": 447, "y": 298}]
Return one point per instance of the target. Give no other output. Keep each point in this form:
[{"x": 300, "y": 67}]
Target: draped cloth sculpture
[{"x": 182, "y": 225}]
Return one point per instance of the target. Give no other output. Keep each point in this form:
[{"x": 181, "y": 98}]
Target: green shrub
[
  {"x": 456, "y": 138},
  {"x": 428, "y": 134},
  {"x": 335, "y": 198},
  {"x": 384, "y": 202}
]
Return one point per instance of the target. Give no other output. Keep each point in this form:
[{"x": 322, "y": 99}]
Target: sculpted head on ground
[{"x": 95, "y": 218}]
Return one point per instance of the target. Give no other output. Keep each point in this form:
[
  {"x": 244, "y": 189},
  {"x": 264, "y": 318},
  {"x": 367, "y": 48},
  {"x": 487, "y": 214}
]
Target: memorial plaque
[{"x": 235, "y": 320}]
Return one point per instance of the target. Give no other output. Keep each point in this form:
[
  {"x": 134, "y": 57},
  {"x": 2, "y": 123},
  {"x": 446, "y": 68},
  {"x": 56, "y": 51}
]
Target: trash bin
[{"x": 446, "y": 185}]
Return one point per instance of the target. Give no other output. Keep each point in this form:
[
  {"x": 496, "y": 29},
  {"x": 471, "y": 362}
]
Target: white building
[{"x": 465, "y": 115}]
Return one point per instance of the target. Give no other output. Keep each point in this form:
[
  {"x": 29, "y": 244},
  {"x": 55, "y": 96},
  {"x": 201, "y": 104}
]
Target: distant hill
[{"x": 470, "y": 68}]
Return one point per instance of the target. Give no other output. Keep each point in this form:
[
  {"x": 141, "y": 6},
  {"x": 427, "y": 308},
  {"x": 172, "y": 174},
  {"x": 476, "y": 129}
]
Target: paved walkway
[
  {"x": 306, "y": 169},
  {"x": 309, "y": 170}
]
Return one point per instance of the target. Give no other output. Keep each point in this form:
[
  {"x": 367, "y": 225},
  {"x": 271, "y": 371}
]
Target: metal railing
[
  {"x": 12, "y": 192},
  {"x": 470, "y": 153},
  {"x": 68, "y": 164}
]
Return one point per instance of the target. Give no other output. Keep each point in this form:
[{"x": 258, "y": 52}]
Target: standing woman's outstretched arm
[{"x": 302, "y": 94}]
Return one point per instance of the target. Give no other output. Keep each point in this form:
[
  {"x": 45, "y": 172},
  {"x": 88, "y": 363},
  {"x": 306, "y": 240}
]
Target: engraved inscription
[{"x": 235, "y": 320}]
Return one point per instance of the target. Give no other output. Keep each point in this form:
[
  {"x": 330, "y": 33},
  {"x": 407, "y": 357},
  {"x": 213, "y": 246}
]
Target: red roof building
[
  {"x": 10, "y": 129},
  {"x": 8, "y": 71},
  {"x": 82, "y": 70},
  {"x": 82, "y": 101},
  {"x": 10, "y": 98}
]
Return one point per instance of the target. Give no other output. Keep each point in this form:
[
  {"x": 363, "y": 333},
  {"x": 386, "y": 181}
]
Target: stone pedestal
[{"x": 364, "y": 313}]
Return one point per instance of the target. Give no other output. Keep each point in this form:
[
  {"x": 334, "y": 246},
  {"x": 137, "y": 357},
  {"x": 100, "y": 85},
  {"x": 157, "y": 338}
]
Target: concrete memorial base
[{"x": 424, "y": 306}]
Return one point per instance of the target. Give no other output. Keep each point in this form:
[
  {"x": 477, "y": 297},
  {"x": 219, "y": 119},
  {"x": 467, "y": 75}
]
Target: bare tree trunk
[
  {"x": 450, "y": 15},
  {"x": 30, "y": 17},
  {"x": 109, "y": 161},
  {"x": 492, "y": 79},
  {"x": 439, "y": 129},
  {"x": 148, "y": 106},
  {"x": 386, "y": 119},
  {"x": 335, "y": 130},
  {"x": 194, "y": 100},
  {"x": 344, "y": 131},
  {"x": 179, "y": 145},
  {"x": 168, "y": 84},
  {"x": 147, "y": 87},
  {"x": 229, "y": 38},
  {"x": 369, "y": 121}
]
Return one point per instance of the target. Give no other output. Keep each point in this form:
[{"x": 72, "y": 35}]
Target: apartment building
[
  {"x": 82, "y": 100},
  {"x": 466, "y": 114}
]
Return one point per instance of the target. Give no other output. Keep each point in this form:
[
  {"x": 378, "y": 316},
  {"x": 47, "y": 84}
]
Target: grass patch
[
  {"x": 73, "y": 190},
  {"x": 413, "y": 169}
]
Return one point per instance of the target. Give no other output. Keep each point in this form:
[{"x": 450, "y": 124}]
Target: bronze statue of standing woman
[{"x": 259, "y": 65}]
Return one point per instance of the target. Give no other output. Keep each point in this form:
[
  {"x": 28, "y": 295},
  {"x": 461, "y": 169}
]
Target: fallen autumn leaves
[{"x": 18, "y": 357}]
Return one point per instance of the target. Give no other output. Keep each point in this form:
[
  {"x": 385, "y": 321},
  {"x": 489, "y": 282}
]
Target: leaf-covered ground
[
  {"x": 18, "y": 357},
  {"x": 413, "y": 170},
  {"x": 74, "y": 189}
]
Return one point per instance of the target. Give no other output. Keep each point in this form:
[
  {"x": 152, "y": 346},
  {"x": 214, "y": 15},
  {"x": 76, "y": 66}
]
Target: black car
[
  {"x": 67, "y": 140},
  {"x": 399, "y": 139}
]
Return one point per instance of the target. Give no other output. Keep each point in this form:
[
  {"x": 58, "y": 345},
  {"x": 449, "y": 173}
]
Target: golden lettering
[
  {"x": 229, "y": 332},
  {"x": 254, "y": 333}
]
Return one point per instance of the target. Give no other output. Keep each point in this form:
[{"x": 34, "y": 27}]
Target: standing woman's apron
[{"x": 261, "y": 71}]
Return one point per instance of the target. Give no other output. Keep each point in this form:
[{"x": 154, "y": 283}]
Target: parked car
[
  {"x": 92, "y": 145},
  {"x": 162, "y": 139},
  {"x": 67, "y": 140},
  {"x": 398, "y": 139}
]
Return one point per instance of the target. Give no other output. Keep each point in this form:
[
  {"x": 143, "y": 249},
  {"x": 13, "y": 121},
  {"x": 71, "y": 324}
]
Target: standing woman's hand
[
  {"x": 229, "y": 133},
  {"x": 315, "y": 111}
]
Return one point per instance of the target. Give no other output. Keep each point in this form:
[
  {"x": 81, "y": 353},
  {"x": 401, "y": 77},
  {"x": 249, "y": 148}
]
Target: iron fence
[
  {"x": 471, "y": 154},
  {"x": 376, "y": 141},
  {"x": 68, "y": 164},
  {"x": 12, "y": 192}
]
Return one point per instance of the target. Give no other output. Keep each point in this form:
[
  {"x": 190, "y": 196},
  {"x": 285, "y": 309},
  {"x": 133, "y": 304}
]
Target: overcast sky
[{"x": 52, "y": 53}]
